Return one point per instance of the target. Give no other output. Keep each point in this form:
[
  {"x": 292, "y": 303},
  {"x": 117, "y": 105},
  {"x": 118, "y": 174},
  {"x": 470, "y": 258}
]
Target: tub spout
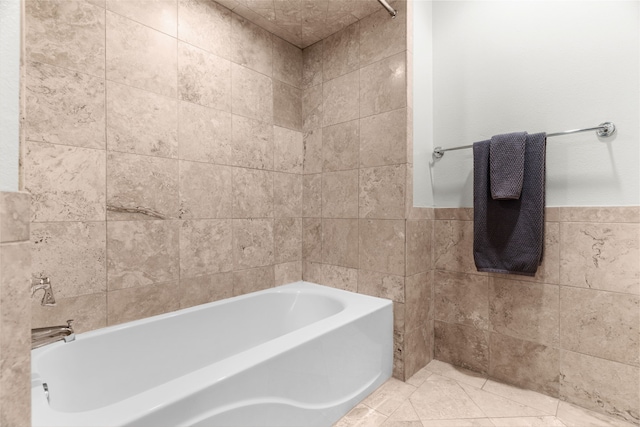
[
  {"x": 44, "y": 284},
  {"x": 51, "y": 334}
]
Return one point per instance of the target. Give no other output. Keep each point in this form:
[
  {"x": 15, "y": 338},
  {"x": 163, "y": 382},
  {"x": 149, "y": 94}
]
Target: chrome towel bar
[{"x": 605, "y": 129}]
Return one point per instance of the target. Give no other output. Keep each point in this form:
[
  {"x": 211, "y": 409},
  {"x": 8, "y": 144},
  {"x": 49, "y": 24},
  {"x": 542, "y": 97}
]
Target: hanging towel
[
  {"x": 508, "y": 235},
  {"x": 506, "y": 159}
]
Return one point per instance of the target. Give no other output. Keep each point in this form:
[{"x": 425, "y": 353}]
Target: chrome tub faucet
[
  {"x": 43, "y": 283},
  {"x": 51, "y": 334}
]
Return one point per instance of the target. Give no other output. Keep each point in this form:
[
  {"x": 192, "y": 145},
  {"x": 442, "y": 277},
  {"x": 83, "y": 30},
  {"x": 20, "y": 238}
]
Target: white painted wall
[
  {"x": 422, "y": 104},
  {"x": 9, "y": 94},
  {"x": 504, "y": 66}
]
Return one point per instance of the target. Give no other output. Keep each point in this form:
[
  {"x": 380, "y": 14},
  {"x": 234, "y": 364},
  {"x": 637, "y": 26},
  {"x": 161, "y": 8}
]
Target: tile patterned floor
[{"x": 441, "y": 395}]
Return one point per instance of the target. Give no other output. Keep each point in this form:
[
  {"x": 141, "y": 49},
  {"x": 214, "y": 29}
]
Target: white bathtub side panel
[{"x": 313, "y": 384}]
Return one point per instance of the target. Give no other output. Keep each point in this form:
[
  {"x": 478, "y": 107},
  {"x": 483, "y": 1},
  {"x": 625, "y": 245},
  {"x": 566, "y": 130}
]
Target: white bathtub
[{"x": 295, "y": 355}]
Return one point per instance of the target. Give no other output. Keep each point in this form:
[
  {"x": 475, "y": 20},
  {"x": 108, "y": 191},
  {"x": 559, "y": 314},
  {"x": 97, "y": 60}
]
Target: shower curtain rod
[{"x": 605, "y": 129}]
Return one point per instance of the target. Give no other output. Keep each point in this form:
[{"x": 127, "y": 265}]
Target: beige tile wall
[
  {"x": 572, "y": 331},
  {"x": 164, "y": 156},
  {"x": 358, "y": 233},
  {"x": 15, "y": 322}
]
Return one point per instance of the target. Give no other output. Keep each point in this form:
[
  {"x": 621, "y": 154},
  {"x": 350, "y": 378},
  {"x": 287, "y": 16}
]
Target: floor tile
[
  {"x": 361, "y": 416},
  {"x": 496, "y": 406},
  {"x": 419, "y": 377},
  {"x": 389, "y": 396},
  {"x": 466, "y": 422},
  {"x": 576, "y": 416},
  {"x": 459, "y": 374},
  {"x": 545, "y": 421},
  {"x": 404, "y": 416},
  {"x": 547, "y": 404},
  {"x": 442, "y": 398}
]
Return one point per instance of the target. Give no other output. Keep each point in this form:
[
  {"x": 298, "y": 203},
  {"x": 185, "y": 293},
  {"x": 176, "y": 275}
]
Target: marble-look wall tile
[
  {"x": 340, "y": 194},
  {"x": 601, "y": 385},
  {"x": 63, "y": 107},
  {"x": 206, "y": 191},
  {"x": 460, "y": 214},
  {"x": 288, "y": 272},
  {"x": 419, "y": 236},
  {"x": 341, "y": 52},
  {"x": 125, "y": 305},
  {"x": 312, "y": 272},
  {"x": 140, "y": 56},
  {"x": 287, "y": 195},
  {"x": 135, "y": 181},
  {"x": 525, "y": 364},
  {"x": 418, "y": 291},
  {"x": 15, "y": 343},
  {"x": 522, "y": 310},
  {"x": 312, "y": 108},
  {"x": 382, "y": 192},
  {"x": 600, "y": 256},
  {"x": 67, "y": 34},
  {"x": 312, "y": 161},
  {"x": 66, "y": 183},
  {"x": 340, "y": 277},
  {"x": 312, "y": 65},
  {"x": 253, "y": 193},
  {"x": 381, "y": 285},
  {"x": 312, "y": 239},
  {"x": 312, "y": 195},
  {"x": 383, "y": 86},
  {"x": 453, "y": 246},
  {"x": 252, "y": 143},
  {"x": 206, "y": 247},
  {"x": 253, "y": 280},
  {"x": 141, "y": 122},
  {"x": 88, "y": 312},
  {"x": 462, "y": 298},
  {"x": 204, "y": 134},
  {"x": 203, "y": 78},
  {"x": 203, "y": 289},
  {"x": 251, "y": 94},
  {"x": 287, "y": 62},
  {"x": 14, "y": 216},
  {"x": 253, "y": 243},
  {"x": 340, "y": 242},
  {"x": 72, "y": 254},
  {"x": 340, "y": 99},
  {"x": 601, "y": 324},
  {"x": 287, "y": 106},
  {"x": 463, "y": 346},
  {"x": 288, "y": 150},
  {"x": 600, "y": 214},
  {"x": 161, "y": 15},
  {"x": 383, "y": 139},
  {"x": 398, "y": 341},
  {"x": 340, "y": 146},
  {"x": 141, "y": 253},
  {"x": 417, "y": 351},
  {"x": 251, "y": 45},
  {"x": 381, "y": 37},
  {"x": 205, "y": 24},
  {"x": 381, "y": 246},
  {"x": 287, "y": 234}
]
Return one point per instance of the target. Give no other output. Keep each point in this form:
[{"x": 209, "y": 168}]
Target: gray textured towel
[
  {"x": 506, "y": 160},
  {"x": 508, "y": 235}
]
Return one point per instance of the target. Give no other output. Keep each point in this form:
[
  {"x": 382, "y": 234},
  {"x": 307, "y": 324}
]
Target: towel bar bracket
[{"x": 603, "y": 130}]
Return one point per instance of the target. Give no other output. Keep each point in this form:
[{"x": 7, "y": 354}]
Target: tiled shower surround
[{"x": 178, "y": 154}]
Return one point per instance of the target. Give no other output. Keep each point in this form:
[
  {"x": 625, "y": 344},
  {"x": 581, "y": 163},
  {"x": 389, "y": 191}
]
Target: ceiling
[{"x": 302, "y": 22}]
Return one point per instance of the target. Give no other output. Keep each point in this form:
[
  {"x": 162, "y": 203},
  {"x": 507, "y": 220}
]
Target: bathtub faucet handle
[{"x": 44, "y": 283}]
